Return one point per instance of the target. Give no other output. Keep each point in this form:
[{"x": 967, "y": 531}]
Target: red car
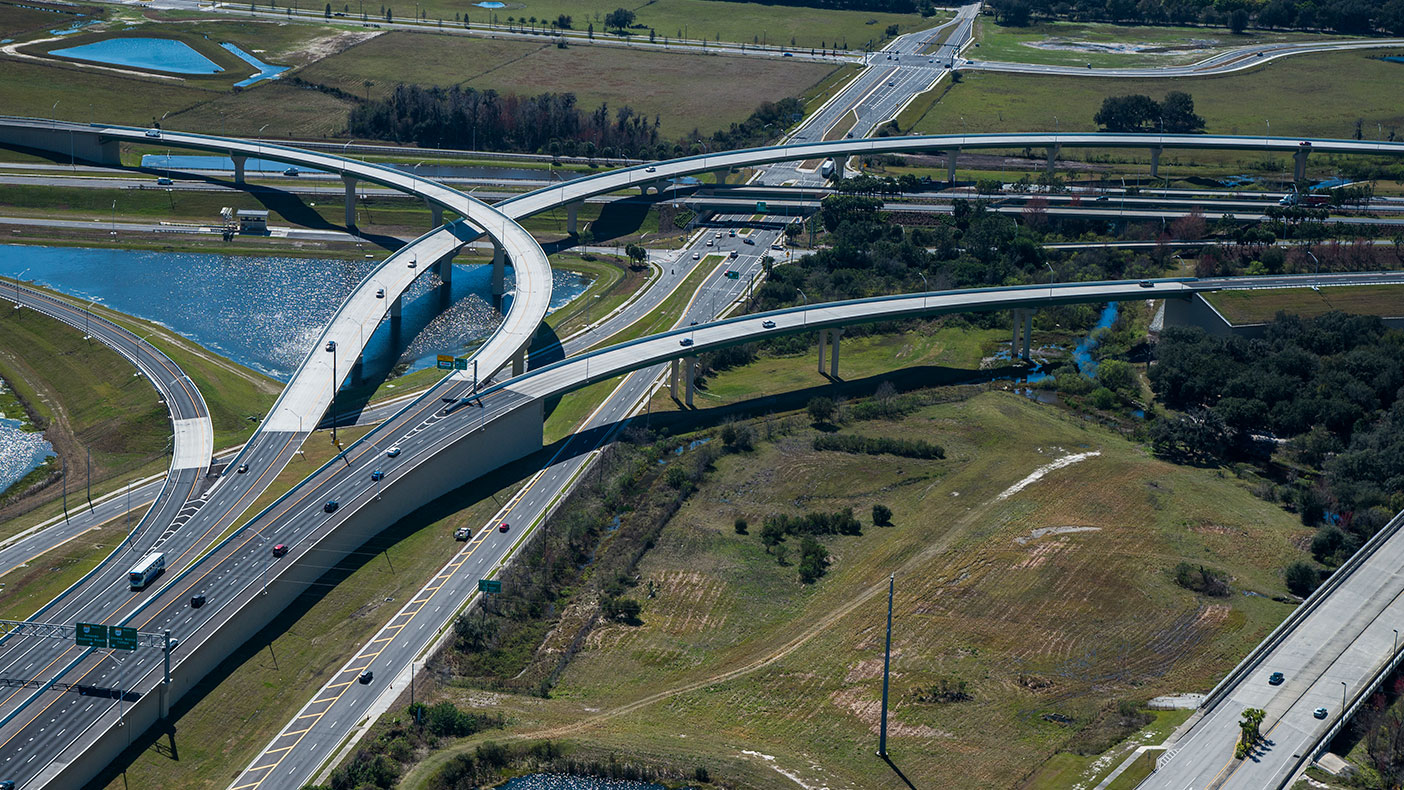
[
  {"x": 279, "y": 550},
  {"x": 502, "y": 527}
]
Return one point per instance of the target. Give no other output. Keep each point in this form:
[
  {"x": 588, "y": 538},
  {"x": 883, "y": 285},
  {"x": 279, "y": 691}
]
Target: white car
[
  {"x": 696, "y": 256},
  {"x": 153, "y": 132},
  {"x": 392, "y": 452}
]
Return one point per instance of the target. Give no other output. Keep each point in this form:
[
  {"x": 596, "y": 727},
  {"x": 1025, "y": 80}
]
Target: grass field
[
  {"x": 16, "y": 19},
  {"x": 738, "y": 668},
  {"x": 223, "y": 724},
  {"x": 685, "y": 91},
  {"x": 88, "y": 398},
  {"x": 1290, "y": 93},
  {"x": 712, "y": 20},
  {"x": 666, "y": 315},
  {"x": 1257, "y": 307},
  {"x": 1114, "y": 46}
]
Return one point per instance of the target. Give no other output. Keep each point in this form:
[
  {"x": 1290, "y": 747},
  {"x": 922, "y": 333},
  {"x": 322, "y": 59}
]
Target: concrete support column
[
  {"x": 1016, "y": 318},
  {"x": 350, "y": 201},
  {"x": 519, "y": 362},
  {"x": 1299, "y": 164},
  {"x": 239, "y": 168},
  {"x": 1028, "y": 333},
  {"x": 446, "y": 269},
  {"x": 436, "y": 214},
  {"x": 1053, "y": 157},
  {"x": 951, "y": 157},
  {"x": 721, "y": 176},
  {"x": 834, "y": 335},
  {"x": 823, "y": 344},
  {"x": 165, "y": 691},
  {"x": 1155, "y": 162},
  {"x": 673, "y": 380},
  {"x": 396, "y": 309},
  {"x": 572, "y": 223},
  {"x": 690, "y": 375},
  {"x": 499, "y": 269}
]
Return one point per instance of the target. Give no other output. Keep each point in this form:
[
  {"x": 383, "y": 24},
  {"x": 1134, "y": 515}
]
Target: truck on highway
[
  {"x": 1298, "y": 199},
  {"x": 827, "y": 169},
  {"x": 146, "y": 569}
]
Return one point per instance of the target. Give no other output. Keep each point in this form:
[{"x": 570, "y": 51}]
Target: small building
[{"x": 253, "y": 220}]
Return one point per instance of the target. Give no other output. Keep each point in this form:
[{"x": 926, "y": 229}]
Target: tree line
[
  {"x": 548, "y": 123},
  {"x": 1140, "y": 113},
  {"x": 1358, "y": 17}
]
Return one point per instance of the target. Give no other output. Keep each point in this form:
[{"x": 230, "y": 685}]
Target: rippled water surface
[
  {"x": 570, "y": 782},
  {"x": 267, "y": 312}
]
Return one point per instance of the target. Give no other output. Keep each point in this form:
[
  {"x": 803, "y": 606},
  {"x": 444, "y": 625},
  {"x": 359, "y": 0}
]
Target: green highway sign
[
  {"x": 460, "y": 363},
  {"x": 489, "y": 586},
  {"x": 120, "y": 638},
  {"x": 90, "y": 635},
  {"x": 760, "y": 206}
]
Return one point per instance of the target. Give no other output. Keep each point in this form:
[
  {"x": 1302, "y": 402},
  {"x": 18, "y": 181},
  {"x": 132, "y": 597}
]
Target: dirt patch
[
  {"x": 1040, "y": 555},
  {"x": 327, "y": 46},
  {"x": 866, "y": 669},
  {"x": 1213, "y": 615},
  {"x": 1041, "y": 531},
  {"x": 1121, "y": 47},
  {"x": 869, "y": 711}
]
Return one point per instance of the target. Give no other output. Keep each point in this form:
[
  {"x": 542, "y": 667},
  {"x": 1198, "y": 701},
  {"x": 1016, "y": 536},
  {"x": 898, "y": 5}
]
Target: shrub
[
  {"x": 1302, "y": 578},
  {"x": 821, "y": 409},
  {"x": 814, "y": 560},
  {"x": 878, "y": 445},
  {"x": 741, "y": 526},
  {"x": 1201, "y": 580},
  {"x": 882, "y": 515}
]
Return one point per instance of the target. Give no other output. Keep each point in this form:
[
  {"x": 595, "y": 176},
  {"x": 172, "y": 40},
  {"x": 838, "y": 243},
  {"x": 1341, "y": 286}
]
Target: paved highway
[{"x": 1327, "y": 657}]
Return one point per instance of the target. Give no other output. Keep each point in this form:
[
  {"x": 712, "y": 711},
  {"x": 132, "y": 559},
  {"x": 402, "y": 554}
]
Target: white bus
[{"x": 147, "y": 569}]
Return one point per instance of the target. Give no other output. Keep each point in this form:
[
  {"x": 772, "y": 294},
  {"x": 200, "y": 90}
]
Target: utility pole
[
  {"x": 886, "y": 666},
  {"x": 90, "y": 479},
  {"x": 65, "y": 492}
]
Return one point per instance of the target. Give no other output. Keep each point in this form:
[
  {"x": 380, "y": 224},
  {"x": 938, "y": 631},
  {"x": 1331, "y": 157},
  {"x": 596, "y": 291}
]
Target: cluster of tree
[
  {"x": 944, "y": 690},
  {"x": 1201, "y": 580},
  {"x": 378, "y": 764},
  {"x": 1334, "y": 381},
  {"x": 878, "y": 445},
  {"x": 814, "y": 560},
  {"x": 1140, "y": 113},
  {"x": 1250, "y": 731},
  {"x": 624, "y": 610},
  {"x": 460, "y": 117},
  {"x": 1361, "y": 17},
  {"x": 872, "y": 6},
  {"x": 779, "y": 525}
]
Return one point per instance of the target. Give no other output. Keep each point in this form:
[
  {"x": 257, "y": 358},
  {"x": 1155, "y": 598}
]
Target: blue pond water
[
  {"x": 73, "y": 28},
  {"x": 202, "y": 162},
  {"x": 1394, "y": 58},
  {"x": 570, "y": 782},
  {"x": 267, "y": 312},
  {"x": 266, "y": 71},
  {"x": 21, "y": 452},
  {"x": 490, "y": 4},
  {"x": 1082, "y": 355},
  {"x": 156, "y": 54}
]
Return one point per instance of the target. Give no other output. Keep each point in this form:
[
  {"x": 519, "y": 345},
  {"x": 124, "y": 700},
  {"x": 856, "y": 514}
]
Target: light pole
[
  {"x": 332, "y": 351},
  {"x": 295, "y": 414},
  {"x": 886, "y": 666},
  {"x": 1395, "y": 651},
  {"x": 1318, "y": 262},
  {"x": 1343, "y": 701},
  {"x": 17, "y": 286},
  {"x": 114, "y": 218}
]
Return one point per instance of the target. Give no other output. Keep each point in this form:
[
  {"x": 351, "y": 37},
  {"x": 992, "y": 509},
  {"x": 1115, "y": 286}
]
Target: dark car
[
  {"x": 1276, "y": 678},
  {"x": 1146, "y": 284},
  {"x": 242, "y": 468},
  {"x": 292, "y": 171},
  {"x": 377, "y": 475},
  {"x": 197, "y": 600},
  {"x": 748, "y": 240},
  {"x": 687, "y": 341},
  {"x": 331, "y": 345},
  {"x": 366, "y": 677},
  {"x": 7, "y": 785},
  {"x": 280, "y": 549},
  {"x": 331, "y": 505}
]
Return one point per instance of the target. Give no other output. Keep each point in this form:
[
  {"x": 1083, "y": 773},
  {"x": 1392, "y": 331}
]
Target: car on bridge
[
  {"x": 768, "y": 324},
  {"x": 393, "y": 452},
  {"x": 377, "y": 475},
  {"x": 1275, "y": 679},
  {"x": 280, "y": 549},
  {"x": 331, "y": 505},
  {"x": 366, "y": 677},
  {"x": 1320, "y": 713},
  {"x": 503, "y": 527},
  {"x": 687, "y": 341}
]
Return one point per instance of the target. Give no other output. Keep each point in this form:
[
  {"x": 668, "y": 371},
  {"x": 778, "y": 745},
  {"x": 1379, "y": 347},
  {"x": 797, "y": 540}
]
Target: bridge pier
[
  {"x": 519, "y": 360},
  {"x": 572, "y": 217},
  {"x": 690, "y": 375},
  {"x": 1053, "y": 157},
  {"x": 951, "y": 156},
  {"x": 499, "y": 270},
  {"x": 396, "y": 311},
  {"x": 1155, "y": 161},
  {"x": 1021, "y": 319},
  {"x": 721, "y": 176},
  {"x": 350, "y": 200},
  {"x": 1299, "y": 164},
  {"x": 436, "y": 214},
  {"x": 829, "y": 344},
  {"x": 445, "y": 269},
  {"x": 823, "y": 348},
  {"x": 673, "y": 380},
  {"x": 239, "y": 168}
]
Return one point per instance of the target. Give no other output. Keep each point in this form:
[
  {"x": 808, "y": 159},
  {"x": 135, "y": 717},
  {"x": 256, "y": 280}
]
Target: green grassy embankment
[
  {"x": 736, "y": 654},
  {"x": 1257, "y": 307}
]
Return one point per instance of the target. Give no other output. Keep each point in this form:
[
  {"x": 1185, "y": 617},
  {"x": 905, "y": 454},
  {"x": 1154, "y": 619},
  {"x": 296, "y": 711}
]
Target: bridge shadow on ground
[{"x": 279, "y": 655}]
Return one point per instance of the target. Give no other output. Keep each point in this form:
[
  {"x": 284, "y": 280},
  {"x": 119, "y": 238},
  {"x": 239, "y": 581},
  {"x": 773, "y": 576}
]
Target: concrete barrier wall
[
  {"x": 509, "y": 438},
  {"x": 87, "y": 146}
]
